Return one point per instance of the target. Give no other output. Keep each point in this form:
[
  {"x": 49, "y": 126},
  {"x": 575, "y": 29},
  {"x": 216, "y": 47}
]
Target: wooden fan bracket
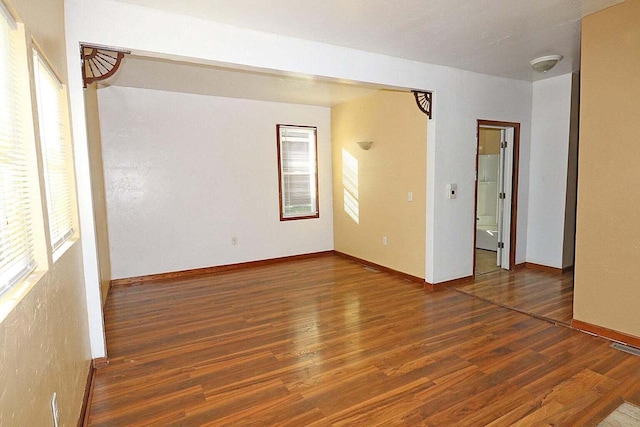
[
  {"x": 100, "y": 62},
  {"x": 424, "y": 101}
]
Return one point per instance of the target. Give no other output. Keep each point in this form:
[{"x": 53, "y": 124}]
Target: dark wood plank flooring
[
  {"x": 326, "y": 342},
  {"x": 539, "y": 293}
]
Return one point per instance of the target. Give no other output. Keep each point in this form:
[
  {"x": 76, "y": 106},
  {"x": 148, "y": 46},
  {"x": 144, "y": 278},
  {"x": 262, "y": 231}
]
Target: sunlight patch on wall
[{"x": 350, "y": 184}]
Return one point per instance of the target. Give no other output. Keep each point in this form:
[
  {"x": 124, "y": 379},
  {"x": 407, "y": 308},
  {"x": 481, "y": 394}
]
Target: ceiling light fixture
[{"x": 545, "y": 63}]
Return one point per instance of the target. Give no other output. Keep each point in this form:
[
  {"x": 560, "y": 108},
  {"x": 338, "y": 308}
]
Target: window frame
[
  {"x": 41, "y": 64},
  {"x": 281, "y": 196}
]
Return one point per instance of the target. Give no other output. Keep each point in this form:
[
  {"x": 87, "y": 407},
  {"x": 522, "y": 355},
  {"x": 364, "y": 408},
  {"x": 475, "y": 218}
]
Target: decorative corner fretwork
[
  {"x": 424, "y": 101},
  {"x": 100, "y": 62}
]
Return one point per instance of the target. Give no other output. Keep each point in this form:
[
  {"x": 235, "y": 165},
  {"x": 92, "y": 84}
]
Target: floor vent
[
  {"x": 371, "y": 269},
  {"x": 626, "y": 348}
]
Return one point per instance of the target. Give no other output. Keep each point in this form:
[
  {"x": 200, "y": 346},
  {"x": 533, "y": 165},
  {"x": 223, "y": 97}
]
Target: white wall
[
  {"x": 551, "y": 115},
  {"x": 185, "y": 173},
  {"x": 464, "y": 100},
  {"x": 461, "y": 98}
]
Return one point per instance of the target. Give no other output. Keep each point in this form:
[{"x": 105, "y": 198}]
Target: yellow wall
[
  {"x": 97, "y": 187},
  {"x": 393, "y": 166},
  {"x": 44, "y": 340},
  {"x": 45, "y": 348},
  {"x": 489, "y": 141},
  {"x": 607, "y": 267}
]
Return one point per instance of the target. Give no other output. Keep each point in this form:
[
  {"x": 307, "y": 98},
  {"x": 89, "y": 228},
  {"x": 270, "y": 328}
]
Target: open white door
[{"x": 490, "y": 208}]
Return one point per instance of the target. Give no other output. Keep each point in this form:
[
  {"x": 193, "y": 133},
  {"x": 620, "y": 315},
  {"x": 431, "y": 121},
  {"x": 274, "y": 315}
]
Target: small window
[
  {"x": 298, "y": 172},
  {"x": 54, "y": 139}
]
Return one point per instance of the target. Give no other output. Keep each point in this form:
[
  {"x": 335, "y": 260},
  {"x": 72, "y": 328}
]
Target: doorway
[{"x": 496, "y": 192}]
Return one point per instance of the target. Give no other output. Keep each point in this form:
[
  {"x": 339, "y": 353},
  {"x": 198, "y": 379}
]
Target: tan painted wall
[
  {"x": 607, "y": 267},
  {"x": 489, "y": 141},
  {"x": 44, "y": 340},
  {"x": 98, "y": 188},
  {"x": 393, "y": 166},
  {"x": 45, "y": 348}
]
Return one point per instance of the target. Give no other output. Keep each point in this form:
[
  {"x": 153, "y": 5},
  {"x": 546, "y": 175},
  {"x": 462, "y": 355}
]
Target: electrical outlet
[
  {"x": 384, "y": 241},
  {"x": 234, "y": 240},
  {"x": 54, "y": 410}
]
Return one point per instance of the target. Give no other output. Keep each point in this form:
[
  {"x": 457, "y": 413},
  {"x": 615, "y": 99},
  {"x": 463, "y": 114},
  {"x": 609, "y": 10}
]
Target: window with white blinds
[
  {"x": 55, "y": 151},
  {"x": 298, "y": 172},
  {"x": 16, "y": 244}
]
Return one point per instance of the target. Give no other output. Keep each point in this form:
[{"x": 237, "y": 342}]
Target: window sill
[
  {"x": 13, "y": 296},
  {"x": 10, "y": 299},
  {"x": 295, "y": 218},
  {"x": 63, "y": 248}
]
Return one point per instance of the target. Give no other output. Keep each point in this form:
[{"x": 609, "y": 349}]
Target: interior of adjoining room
[
  {"x": 372, "y": 197},
  {"x": 184, "y": 170}
]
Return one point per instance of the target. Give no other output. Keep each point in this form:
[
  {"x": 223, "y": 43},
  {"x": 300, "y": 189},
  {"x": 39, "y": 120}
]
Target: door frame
[{"x": 514, "y": 186}]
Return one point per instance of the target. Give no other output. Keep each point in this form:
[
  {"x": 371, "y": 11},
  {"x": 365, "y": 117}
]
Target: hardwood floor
[
  {"x": 535, "y": 292},
  {"x": 486, "y": 262},
  {"x": 326, "y": 342}
]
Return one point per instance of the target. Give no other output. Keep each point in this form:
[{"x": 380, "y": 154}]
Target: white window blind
[
  {"x": 55, "y": 151},
  {"x": 16, "y": 244},
  {"x": 298, "y": 172}
]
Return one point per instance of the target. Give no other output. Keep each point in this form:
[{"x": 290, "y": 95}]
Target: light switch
[
  {"x": 410, "y": 196},
  {"x": 452, "y": 191}
]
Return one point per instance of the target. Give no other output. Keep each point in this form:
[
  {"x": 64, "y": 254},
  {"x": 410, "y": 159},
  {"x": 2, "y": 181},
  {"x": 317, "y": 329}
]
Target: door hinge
[
  {"x": 502, "y": 196},
  {"x": 503, "y": 144},
  {"x": 500, "y": 245}
]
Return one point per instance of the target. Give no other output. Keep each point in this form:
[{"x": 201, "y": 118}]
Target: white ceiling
[{"x": 496, "y": 37}]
